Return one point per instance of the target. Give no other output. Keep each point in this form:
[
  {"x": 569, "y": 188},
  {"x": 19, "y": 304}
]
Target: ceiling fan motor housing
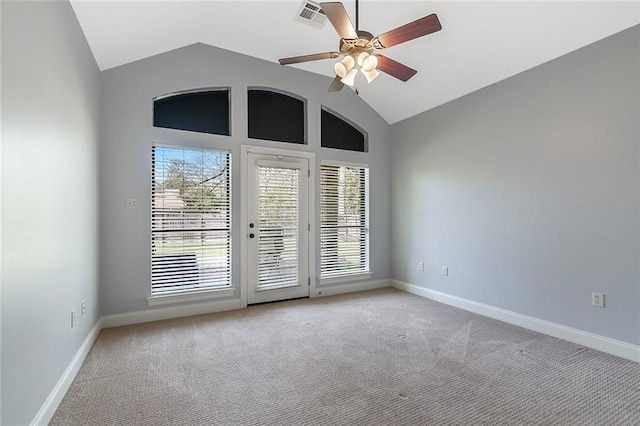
[{"x": 366, "y": 42}]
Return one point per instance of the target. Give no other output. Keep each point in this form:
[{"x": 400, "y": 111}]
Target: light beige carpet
[{"x": 383, "y": 357}]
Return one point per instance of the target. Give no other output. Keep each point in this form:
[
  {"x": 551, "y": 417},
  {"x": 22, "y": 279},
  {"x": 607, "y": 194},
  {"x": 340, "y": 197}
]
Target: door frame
[{"x": 245, "y": 150}]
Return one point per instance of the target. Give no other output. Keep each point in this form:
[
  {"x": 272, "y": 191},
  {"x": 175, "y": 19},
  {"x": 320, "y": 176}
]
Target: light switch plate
[{"x": 132, "y": 203}]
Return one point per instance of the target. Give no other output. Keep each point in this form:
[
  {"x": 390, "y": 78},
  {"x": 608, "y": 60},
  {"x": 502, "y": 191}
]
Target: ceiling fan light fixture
[
  {"x": 344, "y": 66},
  {"x": 370, "y": 75},
  {"x": 370, "y": 63},
  {"x": 362, "y": 57},
  {"x": 350, "y": 78}
]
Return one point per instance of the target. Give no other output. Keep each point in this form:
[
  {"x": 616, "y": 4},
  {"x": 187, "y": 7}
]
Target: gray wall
[
  {"x": 50, "y": 131},
  {"x": 529, "y": 190},
  {"x": 126, "y": 154}
]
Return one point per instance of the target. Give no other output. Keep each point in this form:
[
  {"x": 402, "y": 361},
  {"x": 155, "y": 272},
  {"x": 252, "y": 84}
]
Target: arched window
[
  {"x": 276, "y": 116},
  {"x": 337, "y": 132},
  {"x": 202, "y": 110}
]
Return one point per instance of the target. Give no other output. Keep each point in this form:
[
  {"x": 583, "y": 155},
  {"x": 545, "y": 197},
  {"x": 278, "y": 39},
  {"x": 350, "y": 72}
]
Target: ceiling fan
[{"x": 358, "y": 47}]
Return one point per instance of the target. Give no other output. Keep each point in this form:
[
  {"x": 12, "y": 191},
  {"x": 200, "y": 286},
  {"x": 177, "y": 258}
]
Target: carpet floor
[{"x": 382, "y": 357}]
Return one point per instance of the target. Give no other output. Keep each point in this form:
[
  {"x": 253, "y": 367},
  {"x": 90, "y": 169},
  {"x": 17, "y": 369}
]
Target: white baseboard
[
  {"x": 148, "y": 315},
  {"x": 48, "y": 409},
  {"x": 594, "y": 341},
  {"x": 333, "y": 290},
  {"x": 157, "y": 314}
]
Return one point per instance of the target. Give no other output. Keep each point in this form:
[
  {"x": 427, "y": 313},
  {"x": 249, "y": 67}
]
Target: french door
[{"x": 278, "y": 227}]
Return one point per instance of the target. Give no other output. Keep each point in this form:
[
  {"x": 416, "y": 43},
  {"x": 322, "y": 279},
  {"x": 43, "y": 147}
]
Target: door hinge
[
  {"x": 308, "y": 227},
  {"x": 309, "y": 281},
  {"x": 308, "y": 172}
]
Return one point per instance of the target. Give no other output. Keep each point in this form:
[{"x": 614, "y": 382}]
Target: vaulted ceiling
[{"x": 482, "y": 42}]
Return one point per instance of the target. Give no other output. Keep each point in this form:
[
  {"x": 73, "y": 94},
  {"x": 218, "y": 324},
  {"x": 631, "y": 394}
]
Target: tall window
[
  {"x": 344, "y": 217},
  {"x": 190, "y": 220}
]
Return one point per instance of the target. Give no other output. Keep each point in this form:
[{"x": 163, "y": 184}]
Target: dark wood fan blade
[
  {"x": 394, "y": 68},
  {"x": 418, "y": 28},
  {"x": 337, "y": 14},
  {"x": 307, "y": 58},
  {"x": 336, "y": 84}
]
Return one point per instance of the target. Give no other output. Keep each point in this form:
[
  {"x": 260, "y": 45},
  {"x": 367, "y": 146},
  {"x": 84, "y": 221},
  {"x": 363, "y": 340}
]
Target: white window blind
[
  {"x": 278, "y": 218},
  {"x": 344, "y": 217},
  {"x": 190, "y": 220}
]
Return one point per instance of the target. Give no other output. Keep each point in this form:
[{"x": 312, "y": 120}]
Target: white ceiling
[{"x": 481, "y": 42}]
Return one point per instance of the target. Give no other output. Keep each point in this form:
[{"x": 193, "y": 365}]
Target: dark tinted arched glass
[
  {"x": 205, "y": 112},
  {"x": 276, "y": 117},
  {"x": 339, "y": 134}
]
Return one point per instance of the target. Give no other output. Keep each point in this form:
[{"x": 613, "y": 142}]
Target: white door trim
[{"x": 245, "y": 150}]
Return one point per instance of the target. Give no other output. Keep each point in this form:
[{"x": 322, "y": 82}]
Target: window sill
[
  {"x": 360, "y": 276},
  {"x": 190, "y": 296}
]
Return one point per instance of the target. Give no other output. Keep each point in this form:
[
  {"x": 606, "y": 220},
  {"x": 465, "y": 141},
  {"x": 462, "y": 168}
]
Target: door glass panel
[{"x": 278, "y": 221}]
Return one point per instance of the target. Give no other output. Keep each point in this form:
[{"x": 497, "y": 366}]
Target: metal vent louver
[{"x": 310, "y": 13}]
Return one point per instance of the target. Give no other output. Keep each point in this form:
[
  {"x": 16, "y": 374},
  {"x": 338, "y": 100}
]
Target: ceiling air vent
[{"x": 311, "y": 13}]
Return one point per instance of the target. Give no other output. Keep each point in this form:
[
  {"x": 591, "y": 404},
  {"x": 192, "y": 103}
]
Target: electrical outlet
[
  {"x": 83, "y": 308},
  {"x": 73, "y": 317},
  {"x": 445, "y": 271},
  {"x": 597, "y": 299},
  {"x": 420, "y": 266}
]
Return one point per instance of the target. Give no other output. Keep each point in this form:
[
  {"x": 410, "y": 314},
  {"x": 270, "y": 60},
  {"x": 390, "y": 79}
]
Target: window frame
[
  {"x": 192, "y": 294},
  {"x": 365, "y": 272}
]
